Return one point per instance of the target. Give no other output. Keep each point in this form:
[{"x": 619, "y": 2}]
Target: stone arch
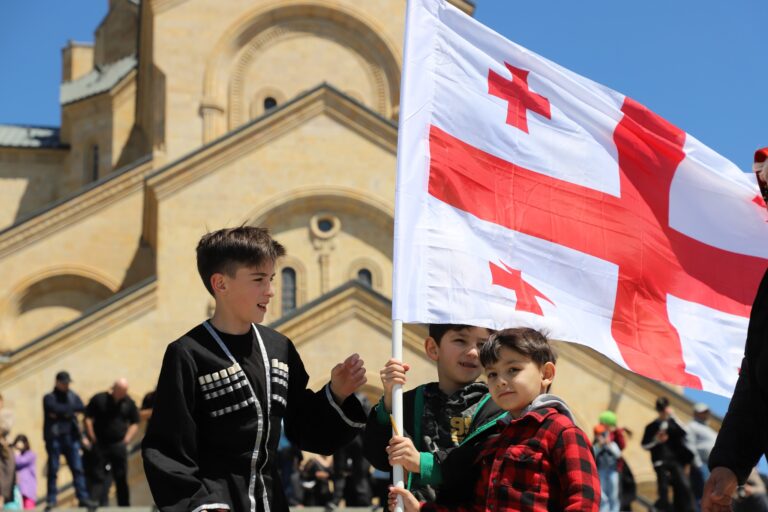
[
  {"x": 366, "y": 227},
  {"x": 323, "y": 199},
  {"x": 50, "y": 298},
  {"x": 224, "y": 107}
]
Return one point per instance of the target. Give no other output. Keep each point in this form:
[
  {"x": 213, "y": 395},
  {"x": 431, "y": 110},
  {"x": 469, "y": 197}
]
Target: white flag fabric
[{"x": 528, "y": 195}]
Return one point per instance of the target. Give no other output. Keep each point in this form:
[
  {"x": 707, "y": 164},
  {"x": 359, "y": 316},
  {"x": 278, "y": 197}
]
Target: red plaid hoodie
[{"x": 539, "y": 461}]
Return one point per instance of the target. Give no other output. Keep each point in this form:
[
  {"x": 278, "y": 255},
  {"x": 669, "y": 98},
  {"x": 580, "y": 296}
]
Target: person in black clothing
[
  {"x": 665, "y": 439},
  {"x": 437, "y": 416},
  {"x": 62, "y": 437},
  {"x": 351, "y": 476},
  {"x": 352, "y": 472},
  {"x": 147, "y": 403},
  {"x": 225, "y": 386},
  {"x": 111, "y": 421},
  {"x": 743, "y": 437},
  {"x": 316, "y": 477}
]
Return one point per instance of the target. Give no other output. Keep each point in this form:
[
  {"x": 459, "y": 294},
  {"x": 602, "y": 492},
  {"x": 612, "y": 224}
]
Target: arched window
[
  {"x": 269, "y": 103},
  {"x": 91, "y": 163},
  {"x": 364, "y": 276},
  {"x": 94, "y": 162},
  {"x": 288, "y": 289}
]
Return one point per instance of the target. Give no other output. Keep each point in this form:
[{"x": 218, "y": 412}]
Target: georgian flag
[{"x": 528, "y": 195}]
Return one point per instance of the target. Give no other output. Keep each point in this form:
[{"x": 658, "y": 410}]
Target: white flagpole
[
  {"x": 397, "y": 405},
  {"x": 397, "y": 325}
]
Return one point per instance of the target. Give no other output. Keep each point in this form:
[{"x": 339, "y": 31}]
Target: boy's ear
[
  {"x": 218, "y": 283},
  {"x": 547, "y": 374},
  {"x": 431, "y": 348}
]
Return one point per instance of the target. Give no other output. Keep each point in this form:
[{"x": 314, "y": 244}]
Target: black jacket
[
  {"x": 59, "y": 411},
  {"x": 672, "y": 450},
  {"x": 444, "y": 423},
  {"x": 211, "y": 443},
  {"x": 743, "y": 438}
]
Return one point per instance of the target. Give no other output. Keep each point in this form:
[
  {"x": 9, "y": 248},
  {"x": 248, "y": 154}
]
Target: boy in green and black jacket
[{"x": 438, "y": 416}]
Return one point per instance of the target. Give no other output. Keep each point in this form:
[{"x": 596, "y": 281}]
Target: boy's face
[
  {"x": 458, "y": 355},
  {"x": 515, "y": 380},
  {"x": 246, "y": 294}
]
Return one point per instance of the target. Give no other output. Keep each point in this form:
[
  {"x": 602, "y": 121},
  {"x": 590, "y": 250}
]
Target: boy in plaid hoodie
[{"x": 537, "y": 459}]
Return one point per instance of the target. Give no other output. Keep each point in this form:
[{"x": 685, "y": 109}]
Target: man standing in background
[
  {"x": 111, "y": 421},
  {"x": 62, "y": 437}
]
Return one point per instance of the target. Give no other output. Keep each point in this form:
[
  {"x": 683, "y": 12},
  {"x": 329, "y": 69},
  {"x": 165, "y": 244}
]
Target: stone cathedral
[{"x": 185, "y": 116}]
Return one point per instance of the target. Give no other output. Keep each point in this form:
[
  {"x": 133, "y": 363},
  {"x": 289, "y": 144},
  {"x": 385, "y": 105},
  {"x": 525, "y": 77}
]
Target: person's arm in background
[
  {"x": 741, "y": 441},
  {"x": 133, "y": 419}
]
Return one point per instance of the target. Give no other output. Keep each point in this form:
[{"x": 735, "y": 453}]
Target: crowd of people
[
  {"x": 97, "y": 456},
  {"x": 232, "y": 414},
  {"x": 94, "y": 439}
]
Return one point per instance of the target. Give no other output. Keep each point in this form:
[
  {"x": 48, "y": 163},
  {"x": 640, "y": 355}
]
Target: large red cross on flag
[{"x": 529, "y": 195}]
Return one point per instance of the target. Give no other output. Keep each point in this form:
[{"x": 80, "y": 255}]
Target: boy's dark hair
[
  {"x": 523, "y": 340},
  {"x": 437, "y": 331},
  {"x": 661, "y": 403},
  {"x": 222, "y": 251}
]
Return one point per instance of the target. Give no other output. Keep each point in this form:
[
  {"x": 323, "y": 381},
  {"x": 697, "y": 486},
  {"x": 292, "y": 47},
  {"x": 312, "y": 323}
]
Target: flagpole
[
  {"x": 397, "y": 406},
  {"x": 397, "y": 325}
]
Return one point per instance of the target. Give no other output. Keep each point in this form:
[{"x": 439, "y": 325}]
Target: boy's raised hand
[
  {"x": 402, "y": 452},
  {"x": 346, "y": 377},
  {"x": 410, "y": 503},
  {"x": 392, "y": 373}
]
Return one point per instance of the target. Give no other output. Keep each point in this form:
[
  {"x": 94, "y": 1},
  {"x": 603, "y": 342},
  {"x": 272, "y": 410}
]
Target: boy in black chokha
[{"x": 225, "y": 386}]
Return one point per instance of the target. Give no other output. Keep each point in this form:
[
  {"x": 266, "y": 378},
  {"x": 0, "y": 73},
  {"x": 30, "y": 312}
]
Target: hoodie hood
[{"x": 547, "y": 401}]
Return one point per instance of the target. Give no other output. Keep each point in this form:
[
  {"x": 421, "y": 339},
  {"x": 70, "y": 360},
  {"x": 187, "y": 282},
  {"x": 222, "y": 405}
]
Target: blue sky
[{"x": 701, "y": 64}]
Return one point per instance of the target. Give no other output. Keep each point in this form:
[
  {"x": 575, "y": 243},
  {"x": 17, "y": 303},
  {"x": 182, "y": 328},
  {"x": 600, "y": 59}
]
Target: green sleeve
[{"x": 430, "y": 473}]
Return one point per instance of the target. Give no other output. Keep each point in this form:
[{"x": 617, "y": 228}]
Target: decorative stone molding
[
  {"x": 272, "y": 20},
  {"x": 79, "y": 207},
  {"x": 213, "y": 157},
  {"x": 324, "y": 225},
  {"x": 351, "y": 200},
  {"x": 10, "y": 305},
  {"x": 73, "y": 335},
  {"x": 295, "y": 28},
  {"x": 212, "y": 113}
]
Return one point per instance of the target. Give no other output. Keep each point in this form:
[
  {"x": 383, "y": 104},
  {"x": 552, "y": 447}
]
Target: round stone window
[{"x": 324, "y": 225}]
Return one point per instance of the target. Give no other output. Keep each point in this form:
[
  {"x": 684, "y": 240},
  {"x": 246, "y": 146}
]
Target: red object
[
  {"x": 525, "y": 292},
  {"x": 538, "y": 460},
  {"x": 761, "y": 172},
  {"x": 632, "y": 231},
  {"x": 520, "y": 98}
]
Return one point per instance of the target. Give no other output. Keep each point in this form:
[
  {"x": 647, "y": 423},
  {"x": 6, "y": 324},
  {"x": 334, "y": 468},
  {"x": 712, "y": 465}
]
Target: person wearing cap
[
  {"x": 627, "y": 489},
  {"x": 62, "y": 437},
  {"x": 664, "y": 437},
  {"x": 607, "y": 455},
  {"x": 743, "y": 437}
]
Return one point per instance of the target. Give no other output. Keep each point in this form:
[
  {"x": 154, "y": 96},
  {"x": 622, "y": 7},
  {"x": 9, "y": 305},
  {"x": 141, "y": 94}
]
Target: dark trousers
[
  {"x": 671, "y": 473},
  {"x": 69, "y": 447},
  {"x": 110, "y": 463}
]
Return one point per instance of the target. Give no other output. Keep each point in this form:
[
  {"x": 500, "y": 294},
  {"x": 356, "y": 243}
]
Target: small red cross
[
  {"x": 520, "y": 98},
  {"x": 525, "y": 292}
]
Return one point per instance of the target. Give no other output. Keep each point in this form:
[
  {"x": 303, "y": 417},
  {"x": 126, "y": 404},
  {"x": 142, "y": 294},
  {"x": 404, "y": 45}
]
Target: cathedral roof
[
  {"x": 24, "y": 136},
  {"x": 99, "y": 80}
]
